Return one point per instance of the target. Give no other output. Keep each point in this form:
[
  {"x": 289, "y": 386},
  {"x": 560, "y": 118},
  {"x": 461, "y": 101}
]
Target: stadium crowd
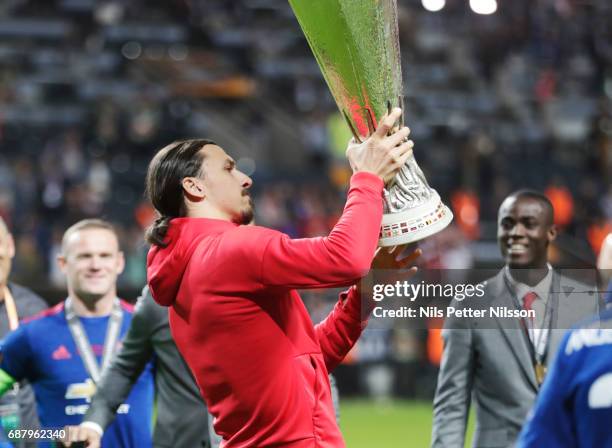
[{"x": 90, "y": 89}]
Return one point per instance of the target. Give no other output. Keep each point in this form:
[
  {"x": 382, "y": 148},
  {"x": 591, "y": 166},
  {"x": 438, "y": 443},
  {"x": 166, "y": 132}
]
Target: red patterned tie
[{"x": 528, "y": 300}]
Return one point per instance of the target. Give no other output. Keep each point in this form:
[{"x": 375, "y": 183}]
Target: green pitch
[{"x": 401, "y": 424}]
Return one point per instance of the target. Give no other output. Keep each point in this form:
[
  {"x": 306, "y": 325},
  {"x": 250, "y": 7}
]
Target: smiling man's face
[
  {"x": 524, "y": 231},
  {"x": 92, "y": 261}
]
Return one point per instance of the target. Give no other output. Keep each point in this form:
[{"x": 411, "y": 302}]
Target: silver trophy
[{"x": 356, "y": 44}]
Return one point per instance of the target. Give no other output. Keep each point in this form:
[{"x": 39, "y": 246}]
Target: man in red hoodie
[{"x": 234, "y": 312}]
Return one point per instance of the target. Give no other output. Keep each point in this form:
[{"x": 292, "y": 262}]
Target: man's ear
[
  {"x": 61, "y": 262},
  {"x": 120, "y": 262},
  {"x": 193, "y": 188},
  {"x": 552, "y": 233}
]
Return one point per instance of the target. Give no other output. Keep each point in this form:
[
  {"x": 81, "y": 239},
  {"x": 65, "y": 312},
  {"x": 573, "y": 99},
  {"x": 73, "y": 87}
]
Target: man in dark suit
[
  {"x": 498, "y": 362},
  {"x": 16, "y": 303}
]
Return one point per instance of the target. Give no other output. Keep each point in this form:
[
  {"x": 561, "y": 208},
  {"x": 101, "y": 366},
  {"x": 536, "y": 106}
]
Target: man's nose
[
  {"x": 247, "y": 181},
  {"x": 517, "y": 230}
]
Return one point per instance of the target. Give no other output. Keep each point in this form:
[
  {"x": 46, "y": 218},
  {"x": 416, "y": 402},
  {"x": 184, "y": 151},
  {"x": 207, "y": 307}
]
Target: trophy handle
[{"x": 356, "y": 135}]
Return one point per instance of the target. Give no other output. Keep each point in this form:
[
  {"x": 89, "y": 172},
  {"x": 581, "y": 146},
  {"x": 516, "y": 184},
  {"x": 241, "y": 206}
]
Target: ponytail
[{"x": 156, "y": 233}]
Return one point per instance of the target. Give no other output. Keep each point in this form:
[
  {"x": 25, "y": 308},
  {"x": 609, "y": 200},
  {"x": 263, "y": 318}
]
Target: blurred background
[{"x": 499, "y": 95}]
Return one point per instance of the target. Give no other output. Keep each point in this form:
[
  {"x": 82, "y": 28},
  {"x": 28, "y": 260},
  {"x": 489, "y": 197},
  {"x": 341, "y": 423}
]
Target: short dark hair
[
  {"x": 165, "y": 174},
  {"x": 85, "y": 224},
  {"x": 537, "y": 196}
]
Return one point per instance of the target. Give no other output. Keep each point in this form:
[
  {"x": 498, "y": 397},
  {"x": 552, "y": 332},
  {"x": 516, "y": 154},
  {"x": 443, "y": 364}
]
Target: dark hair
[
  {"x": 537, "y": 196},
  {"x": 166, "y": 171}
]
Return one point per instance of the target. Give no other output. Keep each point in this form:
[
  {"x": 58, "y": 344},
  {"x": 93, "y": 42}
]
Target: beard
[
  {"x": 246, "y": 217},
  {"x": 247, "y": 214}
]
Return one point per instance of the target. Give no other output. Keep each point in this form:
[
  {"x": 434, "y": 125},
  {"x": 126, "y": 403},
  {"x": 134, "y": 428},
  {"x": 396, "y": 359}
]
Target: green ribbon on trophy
[{"x": 356, "y": 44}]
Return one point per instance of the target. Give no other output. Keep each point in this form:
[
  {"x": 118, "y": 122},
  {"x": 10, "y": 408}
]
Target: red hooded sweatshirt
[{"x": 261, "y": 366}]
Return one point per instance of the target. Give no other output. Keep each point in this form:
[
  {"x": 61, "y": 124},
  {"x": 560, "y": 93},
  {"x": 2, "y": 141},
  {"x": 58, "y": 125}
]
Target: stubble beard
[{"x": 248, "y": 213}]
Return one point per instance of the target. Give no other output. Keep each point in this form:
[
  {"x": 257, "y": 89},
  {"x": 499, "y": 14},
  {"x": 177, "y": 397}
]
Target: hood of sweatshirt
[{"x": 166, "y": 265}]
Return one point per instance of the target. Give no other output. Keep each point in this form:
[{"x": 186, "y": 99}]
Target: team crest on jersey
[{"x": 84, "y": 390}]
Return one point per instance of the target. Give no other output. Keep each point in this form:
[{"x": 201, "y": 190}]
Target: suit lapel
[{"x": 511, "y": 329}]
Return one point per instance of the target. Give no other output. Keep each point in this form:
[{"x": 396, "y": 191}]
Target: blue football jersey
[
  {"x": 42, "y": 350},
  {"x": 574, "y": 407}
]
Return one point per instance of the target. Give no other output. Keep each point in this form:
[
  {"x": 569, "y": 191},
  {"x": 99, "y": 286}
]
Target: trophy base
[{"x": 415, "y": 224}]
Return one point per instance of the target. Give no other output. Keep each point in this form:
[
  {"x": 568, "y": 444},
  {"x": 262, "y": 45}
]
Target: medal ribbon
[{"x": 82, "y": 341}]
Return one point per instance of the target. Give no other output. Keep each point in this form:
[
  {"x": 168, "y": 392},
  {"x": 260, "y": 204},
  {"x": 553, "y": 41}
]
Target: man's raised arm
[{"x": 344, "y": 256}]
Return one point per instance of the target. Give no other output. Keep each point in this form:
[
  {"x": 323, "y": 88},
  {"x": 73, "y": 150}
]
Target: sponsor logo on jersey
[
  {"x": 61, "y": 353},
  {"x": 84, "y": 390},
  {"x": 81, "y": 409},
  {"x": 587, "y": 337}
]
